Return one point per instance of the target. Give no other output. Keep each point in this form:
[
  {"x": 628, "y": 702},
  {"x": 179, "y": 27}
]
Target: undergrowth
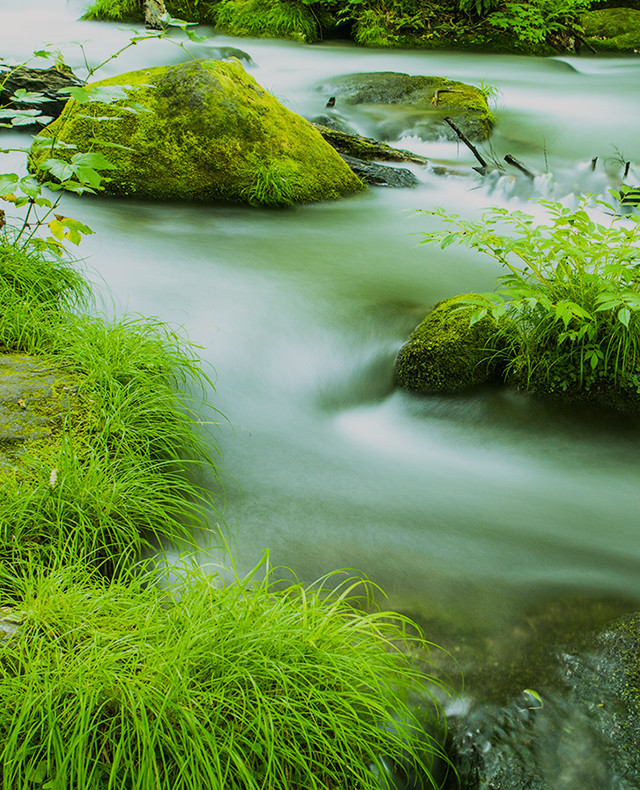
[{"x": 534, "y": 26}]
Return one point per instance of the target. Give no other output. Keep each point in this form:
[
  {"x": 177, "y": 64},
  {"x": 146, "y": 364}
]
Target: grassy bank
[
  {"x": 536, "y": 26},
  {"x": 113, "y": 474},
  {"x": 112, "y": 677},
  {"x": 128, "y": 684}
]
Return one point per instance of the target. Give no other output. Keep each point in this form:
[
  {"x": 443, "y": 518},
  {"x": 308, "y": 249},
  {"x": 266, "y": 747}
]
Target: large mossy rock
[
  {"x": 446, "y": 354},
  {"x": 204, "y": 130},
  {"x": 414, "y": 104},
  {"x": 612, "y": 29}
]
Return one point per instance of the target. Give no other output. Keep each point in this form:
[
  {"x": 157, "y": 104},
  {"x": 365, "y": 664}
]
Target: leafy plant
[
  {"x": 537, "y": 21},
  {"x": 569, "y": 303},
  {"x": 200, "y": 683}
]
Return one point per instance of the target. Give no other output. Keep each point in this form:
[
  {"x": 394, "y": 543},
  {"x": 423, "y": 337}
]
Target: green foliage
[
  {"x": 201, "y": 684},
  {"x": 120, "y": 472},
  {"x": 538, "y": 21},
  {"x": 273, "y": 18},
  {"x": 570, "y": 298},
  {"x": 480, "y": 7}
]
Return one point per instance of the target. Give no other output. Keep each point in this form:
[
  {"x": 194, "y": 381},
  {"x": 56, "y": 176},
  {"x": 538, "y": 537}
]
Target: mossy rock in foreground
[
  {"x": 612, "y": 29},
  {"x": 206, "y": 130},
  {"x": 419, "y": 103},
  {"x": 445, "y": 354},
  {"x": 36, "y": 400}
]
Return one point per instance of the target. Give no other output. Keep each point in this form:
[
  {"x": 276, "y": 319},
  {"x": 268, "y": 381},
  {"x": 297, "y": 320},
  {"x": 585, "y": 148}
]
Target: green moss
[
  {"x": 445, "y": 354},
  {"x": 204, "y": 127},
  {"x": 613, "y": 29},
  {"x": 428, "y": 98},
  {"x": 38, "y": 401}
]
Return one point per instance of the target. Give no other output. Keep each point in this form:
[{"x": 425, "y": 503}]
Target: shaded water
[{"x": 469, "y": 509}]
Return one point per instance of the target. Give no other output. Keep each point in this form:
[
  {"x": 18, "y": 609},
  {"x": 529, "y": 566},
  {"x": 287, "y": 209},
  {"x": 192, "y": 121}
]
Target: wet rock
[
  {"x": 207, "y": 131},
  {"x": 400, "y": 104},
  {"x": 445, "y": 354},
  {"x": 378, "y": 175},
  {"x": 366, "y": 147},
  {"x": 47, "y": 82},
  {"x": 581, "y": 731}
]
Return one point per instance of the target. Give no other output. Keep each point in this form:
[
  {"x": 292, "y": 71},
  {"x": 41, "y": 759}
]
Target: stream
[{"x": 469, "y": 511}]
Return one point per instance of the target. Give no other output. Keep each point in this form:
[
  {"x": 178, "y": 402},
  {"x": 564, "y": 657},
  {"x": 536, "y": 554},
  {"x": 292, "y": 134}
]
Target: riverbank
[{"x": 538, "y": 27}]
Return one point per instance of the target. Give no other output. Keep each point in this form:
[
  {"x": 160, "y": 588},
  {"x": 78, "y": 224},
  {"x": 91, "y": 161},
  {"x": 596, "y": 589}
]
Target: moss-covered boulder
[
  {"x": 402, "y": 103},
  {"x": 612, "y": 29},
  {"x": 447, "y": 354},
  {"x": 203, "y": 130}
]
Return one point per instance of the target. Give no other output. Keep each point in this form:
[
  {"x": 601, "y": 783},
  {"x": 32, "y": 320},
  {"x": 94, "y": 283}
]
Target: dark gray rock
[
  {"x": 378, "y": 175},
  {"x": 581, "y": 732},
  {"x": 47, "y": 82}
]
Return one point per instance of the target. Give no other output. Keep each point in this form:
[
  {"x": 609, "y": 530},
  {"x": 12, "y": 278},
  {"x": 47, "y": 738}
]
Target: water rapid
[{"x": 466, "y": 509}]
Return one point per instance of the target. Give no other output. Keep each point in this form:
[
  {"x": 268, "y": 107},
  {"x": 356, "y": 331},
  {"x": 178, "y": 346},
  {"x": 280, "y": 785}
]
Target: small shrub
[{"x": 571, "y": 293}]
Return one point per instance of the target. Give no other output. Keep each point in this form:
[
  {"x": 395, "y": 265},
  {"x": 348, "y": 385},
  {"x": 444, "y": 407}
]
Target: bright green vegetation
[
  {"x": 534, "y": 26},
  {"x": 568, "y": 307},
  {"x": 115, "y": 474},
  {"x": 612, "y": 29},
  {"x": 203, "y": 130},
  {"x": 127, "y": 683},
  {"x": 446, "y": 353}
]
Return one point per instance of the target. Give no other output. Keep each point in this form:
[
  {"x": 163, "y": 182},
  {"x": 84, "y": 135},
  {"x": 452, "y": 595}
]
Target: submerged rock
[
  {"x": 402, "y": 104},
  {"x": 379, "y": 175},
  {"x": 203, "y": 130},
  {"x": 612, "y": 29},
  {"x": 445, "y": 354},
  {"x": 580, "y": 731}
]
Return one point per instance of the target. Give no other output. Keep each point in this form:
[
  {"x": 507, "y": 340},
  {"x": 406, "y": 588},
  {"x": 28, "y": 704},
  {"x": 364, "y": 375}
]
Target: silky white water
[{"x": 470, "y": 507}]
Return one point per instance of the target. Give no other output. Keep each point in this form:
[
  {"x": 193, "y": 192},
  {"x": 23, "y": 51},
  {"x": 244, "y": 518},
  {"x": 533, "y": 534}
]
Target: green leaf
[
  {"x": 624, "y": 314},
  {"x": 477, "y": 315},
  {"x": 61, "y": 170},
  {"x": 32, "y": 97},
  {"x": 30, "y": 187},
  {"x": 81, "y": 95},
  {"x": 448, "y": 240},
  {"x": 94, "y": 160},
  {"x": 8, "y": 183}
]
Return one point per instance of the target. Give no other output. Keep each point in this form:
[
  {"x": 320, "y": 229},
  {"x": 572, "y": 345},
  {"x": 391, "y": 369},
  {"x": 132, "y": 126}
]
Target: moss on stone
[
  {"x": 428, "y": 99},
  {"x": 445, "y": 354},
  {"x": 207, "y": 130},
  {"x": 612, "y": 29},
  {"x": 38, "y": 400}
]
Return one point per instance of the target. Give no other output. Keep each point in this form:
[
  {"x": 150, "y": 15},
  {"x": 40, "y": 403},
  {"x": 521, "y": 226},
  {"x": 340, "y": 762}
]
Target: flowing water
[{"x": 467, "y": 510}]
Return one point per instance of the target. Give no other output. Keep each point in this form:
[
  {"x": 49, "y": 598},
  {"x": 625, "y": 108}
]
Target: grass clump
[
  {"x": 569, "y": 302},
  {"x": 117, "y": 471},
  {"x": 127, "y": 684}
]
